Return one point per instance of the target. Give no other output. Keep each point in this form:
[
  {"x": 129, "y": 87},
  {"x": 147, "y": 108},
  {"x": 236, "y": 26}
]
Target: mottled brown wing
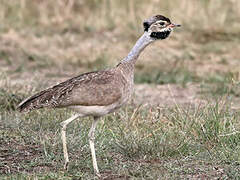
[{"x": 94, "y": 88}]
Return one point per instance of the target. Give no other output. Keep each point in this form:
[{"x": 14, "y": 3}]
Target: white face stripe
[
  {"x": 159, "y": 21},
  {"x": 157, "y": 27},
  {"x": 166, "y": 29}
]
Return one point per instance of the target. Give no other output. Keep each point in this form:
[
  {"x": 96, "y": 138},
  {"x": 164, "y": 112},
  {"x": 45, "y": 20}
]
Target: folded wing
[{"x": 89, "y": 89}]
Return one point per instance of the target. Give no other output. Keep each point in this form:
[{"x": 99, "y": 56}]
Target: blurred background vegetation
[
  {"x": 60, "y": 39},
  {"x": 47, "y": 41},
  {"x": 96, "y": 34}
]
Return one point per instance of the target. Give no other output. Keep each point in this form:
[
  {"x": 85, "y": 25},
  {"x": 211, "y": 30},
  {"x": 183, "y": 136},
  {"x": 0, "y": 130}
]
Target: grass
[
  {"x": 134, "y": 143},
  {"x": 46, "y": 42},
  {"x": 173, "y": 76}
]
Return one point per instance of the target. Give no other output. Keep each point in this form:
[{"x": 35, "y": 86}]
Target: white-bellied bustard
[{"x": 100, "y": 92}]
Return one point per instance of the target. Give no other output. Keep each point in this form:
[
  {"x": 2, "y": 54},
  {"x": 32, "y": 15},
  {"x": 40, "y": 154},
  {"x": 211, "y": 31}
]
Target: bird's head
[{"x": 159, "y": 27}]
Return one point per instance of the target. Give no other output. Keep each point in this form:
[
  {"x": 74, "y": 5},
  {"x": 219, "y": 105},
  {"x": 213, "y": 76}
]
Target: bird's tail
[{"x": 36, "y": 101}]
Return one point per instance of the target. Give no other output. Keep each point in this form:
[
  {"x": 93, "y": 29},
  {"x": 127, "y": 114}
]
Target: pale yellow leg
[
  {"x": 64, "y": 141},
  {"x": 91, "y": 142}
]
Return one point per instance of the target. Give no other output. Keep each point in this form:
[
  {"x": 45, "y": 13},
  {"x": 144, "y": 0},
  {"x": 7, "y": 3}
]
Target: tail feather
[
  {"x": 36, "y": 101},
  {"x": 51, "y": 97}
]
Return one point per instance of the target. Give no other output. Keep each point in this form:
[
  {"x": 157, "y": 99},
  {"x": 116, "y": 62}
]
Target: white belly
[{"x": 95, "y": 110}]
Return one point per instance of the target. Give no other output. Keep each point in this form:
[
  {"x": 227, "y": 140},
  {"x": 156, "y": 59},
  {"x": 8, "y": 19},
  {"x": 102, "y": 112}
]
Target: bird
[{"x": 100, "y": 92}]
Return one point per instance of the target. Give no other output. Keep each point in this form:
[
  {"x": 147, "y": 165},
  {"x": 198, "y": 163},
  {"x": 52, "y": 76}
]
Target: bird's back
[{"x": 100, "y": 88}]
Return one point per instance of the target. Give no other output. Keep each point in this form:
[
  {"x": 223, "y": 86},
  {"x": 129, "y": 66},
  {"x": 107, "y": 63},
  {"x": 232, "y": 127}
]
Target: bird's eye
[{"x": 162, "y": 23}]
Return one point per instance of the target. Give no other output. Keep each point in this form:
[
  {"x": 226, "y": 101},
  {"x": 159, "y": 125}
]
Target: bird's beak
[{"x": 172, "y": 25}]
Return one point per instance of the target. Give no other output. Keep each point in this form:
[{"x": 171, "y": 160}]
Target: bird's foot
[
  {"x": 98, "y": 174},
  {"x": 66, "y": 166}
]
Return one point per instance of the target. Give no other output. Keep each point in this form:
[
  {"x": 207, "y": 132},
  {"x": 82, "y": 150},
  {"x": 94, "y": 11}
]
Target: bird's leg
[
  {"x": 91, "y": 142},
  {"x": 64, "y": 141}
]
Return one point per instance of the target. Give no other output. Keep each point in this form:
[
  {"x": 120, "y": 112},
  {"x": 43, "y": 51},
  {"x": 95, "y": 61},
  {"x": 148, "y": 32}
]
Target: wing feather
[{"x": 89, "y": 89}]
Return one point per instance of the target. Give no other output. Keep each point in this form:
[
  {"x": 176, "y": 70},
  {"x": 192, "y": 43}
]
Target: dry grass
[
  {"x": 191, "y": 130},
  {"x": 43, "y": 33}
]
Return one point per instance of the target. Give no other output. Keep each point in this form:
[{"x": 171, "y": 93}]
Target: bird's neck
[
  {"x": 140, "y": 45},
  {"x": 126, "y": 66}
]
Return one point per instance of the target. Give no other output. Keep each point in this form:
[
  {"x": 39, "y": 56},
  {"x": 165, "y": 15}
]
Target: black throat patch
[{"x": 160, "y": 35}]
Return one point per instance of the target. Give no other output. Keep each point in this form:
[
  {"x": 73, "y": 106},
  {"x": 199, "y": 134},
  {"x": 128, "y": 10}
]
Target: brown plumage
[
  {"x": 87, "y": 90},
  {"x": 101, "y": 92},
  {"x": 100, "y": 88}
]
